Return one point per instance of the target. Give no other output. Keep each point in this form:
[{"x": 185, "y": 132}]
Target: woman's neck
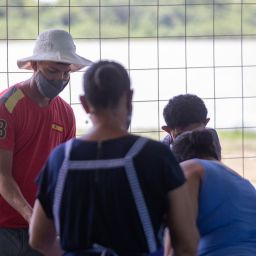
[{"x": 106, "y": 127}]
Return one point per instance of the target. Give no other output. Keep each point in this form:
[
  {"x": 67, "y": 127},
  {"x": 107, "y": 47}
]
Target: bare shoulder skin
[
  {"x": 9, "y": 189},
  {"x": 184, "y": 235},
  {"x": 42, "y": 233},
  {"x": 193, "y": 172}
]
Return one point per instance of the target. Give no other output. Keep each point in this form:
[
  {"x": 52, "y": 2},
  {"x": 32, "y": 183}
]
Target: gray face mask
[{"x": 49, "y": 88}]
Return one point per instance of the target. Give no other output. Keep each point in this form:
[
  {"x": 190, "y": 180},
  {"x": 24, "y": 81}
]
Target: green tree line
[{"x": 23, "y": 19}]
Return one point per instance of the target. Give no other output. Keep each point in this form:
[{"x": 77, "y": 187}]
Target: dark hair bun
[
  {"x": 105, "y": 76},
  {"x": 104, "y": 84},
  {"x": 199, "y": 143}
]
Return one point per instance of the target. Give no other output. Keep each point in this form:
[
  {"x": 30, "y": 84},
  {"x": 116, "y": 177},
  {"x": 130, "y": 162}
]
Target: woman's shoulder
[{"x": 192, "y": 167}]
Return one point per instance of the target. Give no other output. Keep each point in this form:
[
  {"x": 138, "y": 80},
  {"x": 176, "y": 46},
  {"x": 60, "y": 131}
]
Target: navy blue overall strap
[{"x": 127, "y": 163}]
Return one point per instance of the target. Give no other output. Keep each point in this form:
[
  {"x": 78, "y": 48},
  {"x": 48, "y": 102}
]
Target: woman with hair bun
[
  {"x": 224, "y": 202},
  {"x": 110, "y": 192}
]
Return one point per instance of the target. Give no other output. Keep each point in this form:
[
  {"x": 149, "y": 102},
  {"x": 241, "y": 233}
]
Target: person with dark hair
[
  {"x": 224, "y": 202},
  {"x": 200, "y": 143},
  {"x": 33, "y": 120},
  {"x": 110, "y": 191},
  {"x": 182, "y": 113}
]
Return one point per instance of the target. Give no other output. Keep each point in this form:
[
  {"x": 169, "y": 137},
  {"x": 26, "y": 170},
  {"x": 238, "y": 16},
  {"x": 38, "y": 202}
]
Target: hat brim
[{"x": 76, "y": 62}]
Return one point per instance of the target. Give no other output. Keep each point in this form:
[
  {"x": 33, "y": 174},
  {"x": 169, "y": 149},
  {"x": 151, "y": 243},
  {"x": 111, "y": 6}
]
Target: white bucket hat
[{"x": 55, "y": 45}]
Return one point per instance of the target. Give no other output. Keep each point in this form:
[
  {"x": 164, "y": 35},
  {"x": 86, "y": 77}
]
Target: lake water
[{"x": 222, "y": 72}]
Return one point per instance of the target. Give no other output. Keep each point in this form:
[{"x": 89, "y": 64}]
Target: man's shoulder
[{"x": 10, "y": 97}]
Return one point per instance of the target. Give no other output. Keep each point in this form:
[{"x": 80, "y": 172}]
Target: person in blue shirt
[
  {"x": 109, "y": 191},
  {"x": 224, "y": 202}
]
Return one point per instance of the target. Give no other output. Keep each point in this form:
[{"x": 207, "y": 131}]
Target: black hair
[
  {"x": 200, "y": 143},
  {"x": 104, "y": 84},
  {"x": 183, "y": 110}
]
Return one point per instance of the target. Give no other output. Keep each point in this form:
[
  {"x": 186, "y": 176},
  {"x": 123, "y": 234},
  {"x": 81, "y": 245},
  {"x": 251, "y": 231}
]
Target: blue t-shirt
[
  {"x": 227, "y": 212},
  {"x": 97, "y": 206}
]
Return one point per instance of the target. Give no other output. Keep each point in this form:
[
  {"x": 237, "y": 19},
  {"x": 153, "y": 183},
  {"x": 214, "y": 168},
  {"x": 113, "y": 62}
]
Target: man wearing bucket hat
[{"x": 33, "y": 120}]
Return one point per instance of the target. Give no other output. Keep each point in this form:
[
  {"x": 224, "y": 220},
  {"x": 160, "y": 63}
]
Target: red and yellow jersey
[{"x": 30, "y": 132}]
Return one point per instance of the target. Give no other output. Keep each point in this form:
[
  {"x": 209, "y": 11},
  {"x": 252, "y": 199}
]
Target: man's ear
[
  {"x": 85, "y": 104},
  {"x": 34, "y": 65},
  {"x": 166, "y": 129}
]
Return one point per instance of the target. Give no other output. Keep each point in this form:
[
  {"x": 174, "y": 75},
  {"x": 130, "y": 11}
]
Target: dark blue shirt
[{"x": 97, "y": 205}]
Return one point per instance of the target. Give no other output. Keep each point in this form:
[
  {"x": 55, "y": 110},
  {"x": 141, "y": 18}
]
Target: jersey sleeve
[
  {"x": 160, "y": 167},
  {"x": 7, "y": 129}
]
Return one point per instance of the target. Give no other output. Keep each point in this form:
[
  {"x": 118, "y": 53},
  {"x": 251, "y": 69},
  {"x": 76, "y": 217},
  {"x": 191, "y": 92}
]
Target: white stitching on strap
[{"x": 95, "y": 164}]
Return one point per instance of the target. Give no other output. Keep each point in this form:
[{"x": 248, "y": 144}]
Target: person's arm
[
  {"x": 168, "y": 251},
  {"x": 181, "y": 222},
  {"x": 9, "y": 189},
  {"x": 42, "y": 233}
]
